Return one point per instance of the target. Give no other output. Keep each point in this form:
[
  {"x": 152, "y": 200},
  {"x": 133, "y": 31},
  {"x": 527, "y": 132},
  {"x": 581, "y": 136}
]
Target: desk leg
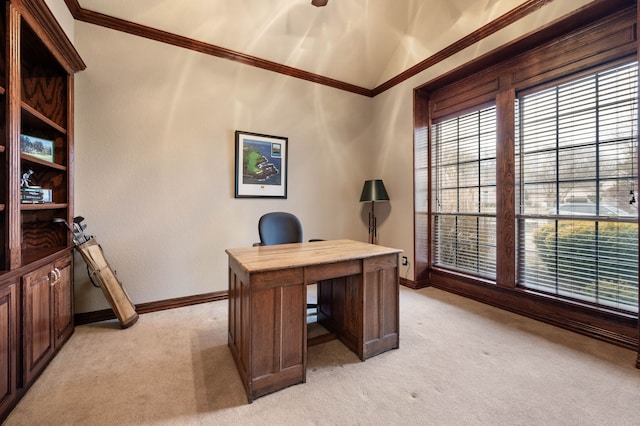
[
  {"x": 239, "y": 330},
  {"x": 381, "y": 297},
  {"x": 267, "y": 328},
  {"x": 363, "y": 309}
]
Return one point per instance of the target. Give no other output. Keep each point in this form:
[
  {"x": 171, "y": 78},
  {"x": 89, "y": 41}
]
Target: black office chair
[{"x": 281, "y": 228}]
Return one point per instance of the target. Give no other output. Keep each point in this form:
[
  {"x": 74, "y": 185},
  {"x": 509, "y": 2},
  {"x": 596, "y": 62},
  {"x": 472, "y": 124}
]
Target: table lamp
[{"x": 372, "y": 191}]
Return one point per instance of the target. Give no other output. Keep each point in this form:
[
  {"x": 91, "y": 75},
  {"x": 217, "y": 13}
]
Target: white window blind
[
  {"x": 577, "y": 188},
  {"x": 464, "y": 186}
]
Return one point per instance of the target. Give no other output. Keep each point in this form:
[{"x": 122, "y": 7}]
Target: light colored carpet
[{"x": 459, "y": 363}]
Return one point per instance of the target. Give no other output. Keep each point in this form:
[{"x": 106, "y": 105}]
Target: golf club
[
  {"x": 78, "y": 235},
  {"x": 61, "y": 220},
  {"x": 80, "y": 227}
]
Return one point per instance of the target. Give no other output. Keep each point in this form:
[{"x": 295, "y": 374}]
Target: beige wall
[
  {"x": 154, "y": 173},
  {"x": 63, "y": 16},
  {"x": 155, "y": 151}
]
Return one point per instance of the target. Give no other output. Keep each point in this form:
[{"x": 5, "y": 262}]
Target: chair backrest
[{"x": 279, "y": 228}]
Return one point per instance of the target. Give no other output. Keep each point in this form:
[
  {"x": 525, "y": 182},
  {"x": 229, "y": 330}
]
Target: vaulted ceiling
[{"x": 364, "y": 43}]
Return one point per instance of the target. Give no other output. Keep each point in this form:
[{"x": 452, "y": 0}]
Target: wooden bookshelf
[{"x": 37, "y": 66}]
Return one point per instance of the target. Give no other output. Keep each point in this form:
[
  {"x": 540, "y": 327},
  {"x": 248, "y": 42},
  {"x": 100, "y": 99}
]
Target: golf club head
[
  {"x": 61, "y": 220},
  {"x": 79, "y": 232},
  {"x": 78, "y": 219}
]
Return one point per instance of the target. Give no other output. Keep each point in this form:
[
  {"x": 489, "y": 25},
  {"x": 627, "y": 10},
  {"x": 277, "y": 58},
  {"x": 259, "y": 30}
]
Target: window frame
[{"x": 583, "y": 42}]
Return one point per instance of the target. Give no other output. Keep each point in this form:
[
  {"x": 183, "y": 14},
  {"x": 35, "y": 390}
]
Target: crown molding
[
  {"x": 467, "y": 41},
  {"x": 492, "y": 27},
  {"x": 132, "y": 28}
]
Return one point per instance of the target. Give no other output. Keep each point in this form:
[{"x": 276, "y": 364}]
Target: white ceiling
[{"x": 361, "y": 42}]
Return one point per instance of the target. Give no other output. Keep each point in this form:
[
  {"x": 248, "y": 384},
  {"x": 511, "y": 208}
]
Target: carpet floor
[{"x": 459, "y": 363}]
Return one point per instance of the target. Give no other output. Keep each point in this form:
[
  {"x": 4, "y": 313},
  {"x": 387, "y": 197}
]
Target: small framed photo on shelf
[
  {"x": 261, "y": 165},
  {"x": 37, "y": 147}
]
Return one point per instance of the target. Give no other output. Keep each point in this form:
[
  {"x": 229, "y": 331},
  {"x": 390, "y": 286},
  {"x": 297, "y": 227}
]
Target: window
[
  {"x": 464, "y": 152},
  {"x": 577, "y": 179},
  {"x": 530, "y": 159}
]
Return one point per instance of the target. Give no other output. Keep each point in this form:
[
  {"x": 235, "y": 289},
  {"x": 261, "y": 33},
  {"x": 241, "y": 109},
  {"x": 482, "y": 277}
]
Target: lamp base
[{"x": 373, "y": 231}]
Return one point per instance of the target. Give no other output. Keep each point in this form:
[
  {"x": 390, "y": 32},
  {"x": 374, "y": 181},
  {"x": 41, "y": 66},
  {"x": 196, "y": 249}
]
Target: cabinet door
[
  {"x": 8, "y": 344},
  {"x": 38, "y": 320},
  {"x": 63, "y": 301}
]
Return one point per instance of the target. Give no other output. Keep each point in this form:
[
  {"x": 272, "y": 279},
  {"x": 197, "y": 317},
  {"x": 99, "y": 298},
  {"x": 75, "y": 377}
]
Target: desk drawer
[
  {"x": 332, "y": 270},
  {"x": 281, "y": 278}
]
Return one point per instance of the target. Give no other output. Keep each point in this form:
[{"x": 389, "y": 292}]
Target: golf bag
[
  {"x": 100, "y": 272},
  {"x": 102, "y": 275}
]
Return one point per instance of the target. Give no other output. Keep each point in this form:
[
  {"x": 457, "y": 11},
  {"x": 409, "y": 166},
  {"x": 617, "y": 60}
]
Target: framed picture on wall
[{"x": 261, "y": 165}]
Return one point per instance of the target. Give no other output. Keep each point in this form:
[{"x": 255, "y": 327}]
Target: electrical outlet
[{"x": 405, "y": 260}]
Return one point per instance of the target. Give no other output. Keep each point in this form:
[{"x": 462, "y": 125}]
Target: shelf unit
[
  {"x": 37, "y": 66},
  {"x": 43, "y": 109}
]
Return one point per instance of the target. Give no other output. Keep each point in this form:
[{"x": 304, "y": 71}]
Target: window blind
[
  {"x": 577, "y": 180},
  {"x": 464, "y": 193}
]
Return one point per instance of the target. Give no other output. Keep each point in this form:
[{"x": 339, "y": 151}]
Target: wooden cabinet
[
  {"x": 37, "y": 331},
  {"x": 47, "y": 314},
  {"x": 37, "y": 66},
  {"x": 63, "y": 301},
  {"x": 8, "y": 343}
]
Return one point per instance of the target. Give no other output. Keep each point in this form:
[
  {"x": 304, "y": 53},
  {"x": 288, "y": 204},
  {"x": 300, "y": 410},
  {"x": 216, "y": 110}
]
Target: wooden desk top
[{"x": 284, "y": 256}]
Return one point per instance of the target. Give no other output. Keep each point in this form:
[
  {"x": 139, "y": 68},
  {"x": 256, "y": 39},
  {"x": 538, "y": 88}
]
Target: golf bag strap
[{"x": 91, "y": 274}]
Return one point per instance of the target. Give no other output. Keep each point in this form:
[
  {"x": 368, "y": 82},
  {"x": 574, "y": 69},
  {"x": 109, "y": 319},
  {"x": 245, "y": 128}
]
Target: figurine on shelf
[{"x": 25, "y": 179}]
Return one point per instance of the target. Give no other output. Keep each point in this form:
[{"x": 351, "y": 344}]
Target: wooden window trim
[
  {"x": 605, "y": 40},
  {"x": 579, "y": 51}
]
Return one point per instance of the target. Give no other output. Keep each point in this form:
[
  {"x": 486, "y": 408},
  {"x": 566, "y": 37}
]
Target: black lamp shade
[{"x": 374, "y": 190}]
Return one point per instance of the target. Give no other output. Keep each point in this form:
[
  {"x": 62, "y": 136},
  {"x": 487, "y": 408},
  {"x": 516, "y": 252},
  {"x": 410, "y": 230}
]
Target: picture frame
[
  {"x": 43, "y": 149},
  {"x": 261, "y": 165}
]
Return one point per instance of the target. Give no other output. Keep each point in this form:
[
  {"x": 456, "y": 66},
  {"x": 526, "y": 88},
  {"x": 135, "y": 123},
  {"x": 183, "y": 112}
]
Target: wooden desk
[{"x": 357, "y": 299}]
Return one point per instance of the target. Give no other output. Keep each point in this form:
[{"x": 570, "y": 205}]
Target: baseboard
[
  {"x": 179, "y": 302},
  {"x": 145, "y": 308},
  {"x": 614, "y": 328},
  {"x": 414, "y": 285}
]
